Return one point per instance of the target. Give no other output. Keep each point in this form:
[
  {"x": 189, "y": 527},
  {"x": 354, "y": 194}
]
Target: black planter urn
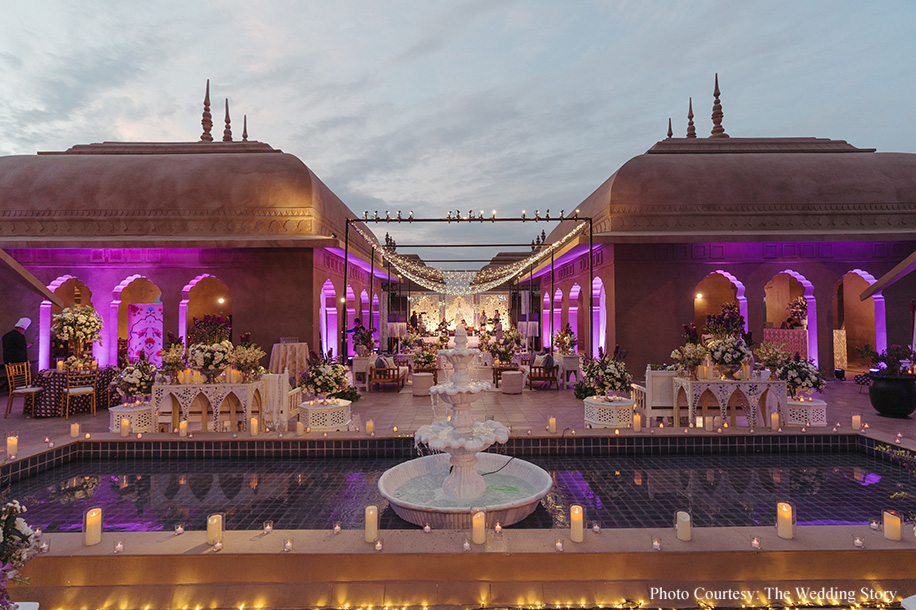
[{"x": 893, "y": 396}]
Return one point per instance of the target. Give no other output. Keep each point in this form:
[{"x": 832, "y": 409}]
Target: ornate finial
[
  {"x": 227, "y": 132},
  {"x": 244, "y": 128},
  {"x": 717, "y": 130},
  {"x": 691, "y": 130},
  {"x": 207, "y": 120},
  {"x": 670, "y": 133}
]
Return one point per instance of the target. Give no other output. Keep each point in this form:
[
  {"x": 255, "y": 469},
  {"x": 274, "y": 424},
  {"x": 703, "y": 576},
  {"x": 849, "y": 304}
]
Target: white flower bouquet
[
  {"x": 78, "y": 323},
  {"x": 17, "y": 546},
  {"x": 423, "y": 359},
  {"x": 607, "y": 374},
  {"x": 324, "y": 377},
  {"x": 689, "y": 355},
  {"x": 729, "y": 350},
  {"x": 246, "y": 357},
  {"x": 135, "y": 379},
  {"x": 214, "y": 357},
  {"x": 801, "y": 376},
  {"x": 173, "y": 358}
]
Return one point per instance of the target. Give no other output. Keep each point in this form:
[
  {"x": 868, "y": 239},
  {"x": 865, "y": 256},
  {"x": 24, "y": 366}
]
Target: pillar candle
[
  {"x": 197, "y": 377},
  {"x": 892, "y": 523},
  {"x": 683, "y": 526},
  {"x": 708, "y": 421},
  {"x": 576, "y": 523},
  {"x": 774, "y": 421},
  {"x": 785, "y": 520},
  {"x": 745, "y": 370},
  {"x": 300, "y": 428},
  {"x": 637, "y": 422},
  {"x": 253, "y": 426},
  {"x": 479, "y": 527},
  {"x": 60, "y": 365},
  {"x": 74, "y": 430},
  {"x": 552, "y": 425},
  {"x": 12, "y": 445},
  {"x": 183, "y": 428},
  {"x": 92, "y": 526},
  {"x": 125, "y": 426},
  {"x": 214, "y": 529},
  {"x": 856, "y": 422},
  {"x": 370, "y": 426},
  {"x": 371, "y": 526}
]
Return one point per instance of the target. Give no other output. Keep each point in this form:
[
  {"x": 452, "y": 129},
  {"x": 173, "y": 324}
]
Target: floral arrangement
[
  {"x": 512, "y": 335},
  {"x": 727, "y": 323},
  {"x": 246, "y": 357},
  {"x": 211, "y": 329},
  {"x": 771, "y": 355},
  {"x": 502, "y": 350},
  {"x": 728, "y": 350},
  {"x": 443, "y": 340},
  {"x": 890, "y": 361},
  {"x": 607, "y": 373},
  {"x": 136, "y": 378},
  {"x": 212, "y": 356},
  {"x": 364, "y": 336},
  {"x": 324, "y": 377},
  {"x": 173, "y": 359},
  {"x": 691, "y": 334},
  {"x": 484, "y": 339},
  {"x": 411, "y": 338},
  {"x": 801, "y": 376},
  {"x": 798, "y": 308},
  {"x": 17, "y": 546},
  {"x": 78, "y": 323},
  {"x": 565, "y": 340},
  {"x": 689, "y": 355},
  {"x": 423, "y": 359}
]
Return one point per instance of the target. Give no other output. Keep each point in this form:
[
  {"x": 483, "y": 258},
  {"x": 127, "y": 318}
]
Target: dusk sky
[{"x": 435, "y": 105}]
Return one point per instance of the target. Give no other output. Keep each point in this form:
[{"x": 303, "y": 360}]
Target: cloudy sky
[{"x": 476, "y": 104}]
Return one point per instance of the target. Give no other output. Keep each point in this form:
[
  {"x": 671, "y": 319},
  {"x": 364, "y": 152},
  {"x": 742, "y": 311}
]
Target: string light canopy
[{"x": 464, "y": 282}]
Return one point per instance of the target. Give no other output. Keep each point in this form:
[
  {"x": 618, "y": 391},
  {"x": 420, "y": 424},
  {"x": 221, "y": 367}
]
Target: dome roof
[
  {"x": 201, "y": 193},
  {"x": 744, "y": 189}
]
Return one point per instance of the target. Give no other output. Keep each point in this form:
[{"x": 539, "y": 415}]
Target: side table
[
  {"x": 808, "y": 413},
  {"x": 141, "y": 418},
  {"x": 601, "y": 413}
]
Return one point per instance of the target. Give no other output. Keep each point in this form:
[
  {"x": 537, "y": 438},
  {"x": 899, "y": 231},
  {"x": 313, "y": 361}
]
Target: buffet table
[
  {"x": 752, "y": 391},
  {"x": 215, "y": 393}
]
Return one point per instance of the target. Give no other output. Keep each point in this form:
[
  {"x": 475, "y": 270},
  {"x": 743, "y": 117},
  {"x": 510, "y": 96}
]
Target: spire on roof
[
  {"x": 207, "y": 120},
  {"x": 691, "y": 130},
  {"x": 227, "y": 132},
  {"x": 244, "y": 128},
  {"x": 670, "y": 133},
  {"x": 717, "y": 130}
]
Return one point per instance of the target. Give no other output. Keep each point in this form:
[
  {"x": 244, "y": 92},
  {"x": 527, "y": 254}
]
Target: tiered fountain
[{"x": 441, "y": 489}]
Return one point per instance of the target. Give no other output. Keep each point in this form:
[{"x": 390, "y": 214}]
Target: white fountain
[{"x": 442, "y": 489}]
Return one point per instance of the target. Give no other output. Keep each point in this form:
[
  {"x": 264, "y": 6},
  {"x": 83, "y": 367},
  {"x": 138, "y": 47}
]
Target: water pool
[{"x": 617, "y": 492}]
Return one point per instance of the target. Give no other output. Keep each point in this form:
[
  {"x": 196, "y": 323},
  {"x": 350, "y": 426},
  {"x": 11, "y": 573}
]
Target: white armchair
[{"x": 656, "y": 399}]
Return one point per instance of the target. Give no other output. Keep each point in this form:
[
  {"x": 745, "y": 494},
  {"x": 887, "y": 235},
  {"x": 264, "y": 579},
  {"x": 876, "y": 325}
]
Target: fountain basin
[{"x": 445, "y": 512}]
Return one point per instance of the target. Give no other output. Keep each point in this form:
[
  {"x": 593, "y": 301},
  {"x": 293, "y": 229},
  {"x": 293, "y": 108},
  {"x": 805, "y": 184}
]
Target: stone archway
[
  {"x": 328, "y": 326},
  {"x": 716, "y": 289},
  {"x": 199, "y": 297},
  {"x": 782, "y": 288},
  {"x": 72, "y": 291},
  {"x": 599, "y": 317},
  {"x": 572, "y": 315},
  {"x": 862, "y": 323}
]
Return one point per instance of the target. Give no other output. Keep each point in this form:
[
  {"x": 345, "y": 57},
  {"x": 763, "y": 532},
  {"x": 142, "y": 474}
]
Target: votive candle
[
  {"x": 576, "y": 523},
  {"x": 371, "y": 524},
  {"x": 479, "y": 527}
]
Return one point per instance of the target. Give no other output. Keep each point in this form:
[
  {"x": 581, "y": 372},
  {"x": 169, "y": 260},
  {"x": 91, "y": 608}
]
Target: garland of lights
[{"x": 463, "y": 282}]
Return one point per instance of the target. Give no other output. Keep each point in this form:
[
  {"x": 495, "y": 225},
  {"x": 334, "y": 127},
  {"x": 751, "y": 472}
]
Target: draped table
[
  {"x": 293, "y": 357},
  {"x": 752, "y": 390},
  {"x": 215, "y": 393},
  {"x": 54, "y": 382}
]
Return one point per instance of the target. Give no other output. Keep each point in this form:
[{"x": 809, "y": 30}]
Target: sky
[{"x": 457, "y": 105}]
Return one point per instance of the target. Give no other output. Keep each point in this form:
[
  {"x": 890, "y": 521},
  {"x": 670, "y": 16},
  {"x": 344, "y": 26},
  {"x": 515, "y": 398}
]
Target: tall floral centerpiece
[
  {"x": 17, "y": 546},
  {"x": 771, "y": 355},
  {"x": 136, "y": 378},
  {"x": 728, "y": 347},
  {"x": 326, "y": 378},
  {"x": 565, "y": 340},
  {"x": 210, "y": 348},
  {"x": 801, "y": 376},
  {"x": 798, "y": 309},
  {"x": 173, "y": 361},
  {"x": 364, "y": 340},
  {"x": 604, "y": 375},
  {"x": 246, "y": 357},
  {"x": 79, "y": 325},
  {"x": 690, "y": 355}
]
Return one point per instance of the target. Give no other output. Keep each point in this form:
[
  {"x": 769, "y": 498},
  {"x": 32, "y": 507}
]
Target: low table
[
  {"x": 600, "y": 413},
  {"x": 422, "y": 382},
  {"x": 141, "y": 418},
  {"x": 498, "y": 373},
  {"x": 808, "y": 413},
  {"x": 334, "y": 414}
]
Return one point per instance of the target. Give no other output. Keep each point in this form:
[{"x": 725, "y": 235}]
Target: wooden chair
[
  {"x": 19, "y": 376},
  {"x": 540, "y": 374},
  {"x": 656, "y": 399},
  {"x": 79, "y": 384}
]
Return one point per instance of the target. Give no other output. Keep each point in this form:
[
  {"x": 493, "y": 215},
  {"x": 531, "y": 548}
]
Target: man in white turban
[{"x": 15, "y": 347}]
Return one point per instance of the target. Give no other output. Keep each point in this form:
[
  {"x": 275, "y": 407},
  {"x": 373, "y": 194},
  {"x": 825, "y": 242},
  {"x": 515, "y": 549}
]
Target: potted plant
[{"x": 893, "y": 389}]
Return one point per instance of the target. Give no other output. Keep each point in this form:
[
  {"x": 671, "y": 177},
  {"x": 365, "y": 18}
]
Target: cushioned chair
[
  {"x": 544, "y": 374},
  {"x": 19, "y": 376},
  {"x": 79, "y": 384}
]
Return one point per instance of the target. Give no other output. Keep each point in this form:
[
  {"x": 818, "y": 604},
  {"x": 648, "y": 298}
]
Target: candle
[
  {"x": 708, "y": 422},
  {"x": 552, "y": 425},
  {"x": 214, "y": 529},
  {"x": 371, "y": 526},
  {"x": 683, "y": 526},
  {"x": 745, "y": 370},
  {"x": 370, "y": 426},
  {"x": 60, "y": 365},
  {"x": 268, "y": 526},
  {"x": 478, "y": 527},
  {"x": 179, "y": 529},
  {"x": 859, "y": 542},
  {"x": 183, "y": 428},
  {"x": 892, "y": 523},
  {"x": 856, "y": 422},
  {"x": 253, "y": 426},
  {"x": 288, "y": 544},
  {"x": 300, "y": 428},
  {"x": 197, "y": 377},
  {"x": 118, "y": 547},
  {"x": 755, "y": 542},
  {"x": 774, "y": 421},
  {"x": 125, "y": 426},
  {"x": 92, "y": 526},
  {"x": 785, "y": 520},
  {"x": 12, "y": 445},
  {"x": 656, "y": 544},
  {"x": 576, "y": 523},
  {"x": 637, "y": 422},
  {"x": 74, "y": 430}
]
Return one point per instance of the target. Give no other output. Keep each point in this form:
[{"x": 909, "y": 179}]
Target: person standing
[{"x": 15, "y": 347}]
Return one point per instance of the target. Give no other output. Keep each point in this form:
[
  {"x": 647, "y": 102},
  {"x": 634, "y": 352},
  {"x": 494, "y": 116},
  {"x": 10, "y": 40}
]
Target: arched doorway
[
  {"x": 784, "y": 288},
  {"x": 714, "y": 291},
  {"x": 575, "y": 295},
  {"x": 137, "y": 306},
  {"x": 599, "y": 317},
  {"x": 203, "y": 295},
  {"x": 859, "y": 322},
  {"x": 71, "y": 291},
  {"x": 364, "y": 309},
  {"x": 327, "y": 312}
]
